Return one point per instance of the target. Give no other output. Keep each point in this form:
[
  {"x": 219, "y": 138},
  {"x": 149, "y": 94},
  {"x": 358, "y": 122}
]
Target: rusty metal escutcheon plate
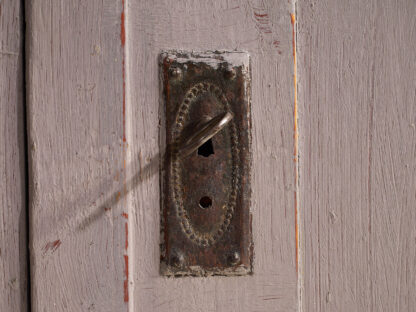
[{"x": 205, "y": 196}]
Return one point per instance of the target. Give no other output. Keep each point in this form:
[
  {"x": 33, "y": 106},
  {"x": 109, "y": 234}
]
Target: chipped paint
[
  {"x": 126, "y": 281},
  {"x": 237, "y": 58},
  {"x": 53, "y": 246},
  {"x": 264, "y": 26},
  {"x": 262, "y": 21},
  {"x": 123, "y": 28}
]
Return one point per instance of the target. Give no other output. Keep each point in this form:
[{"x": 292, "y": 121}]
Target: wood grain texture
[
  {"x": 77, "y": 155},
  {"x": 94, "y": 116},
  {"x": 357, "y": 65},
  {"x": 13, "y": 244},
  {"x": 264, "y": 30}
]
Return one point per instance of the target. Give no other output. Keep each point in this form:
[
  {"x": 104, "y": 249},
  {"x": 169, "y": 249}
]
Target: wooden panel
[
  {"x": 264, "y": 30},
  {"x": 77, "y": 156},
  {"x": 94, "y": 153},
  {"x": 357, "y": 151},
  {"x": 13, "y": 245}
]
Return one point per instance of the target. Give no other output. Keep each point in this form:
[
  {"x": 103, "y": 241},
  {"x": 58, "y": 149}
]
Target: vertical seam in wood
[
  {"x": 369, "y": 172},
  {"x": 295, "y": 137},
  {"x": 125, "y": 201},
  {"x": 26, "y": 153},
  {"x": 296, "y": 160}
]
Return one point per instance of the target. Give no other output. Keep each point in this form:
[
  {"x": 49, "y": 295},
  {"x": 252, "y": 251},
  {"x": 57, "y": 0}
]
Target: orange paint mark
[
  {"x": 118, "y": 196},
  {"x": 295, "y": 137},
  {"x": 292, "y": 19},
  {"x": 125, "y": 215},
  {"x": 126, "y": 281}
]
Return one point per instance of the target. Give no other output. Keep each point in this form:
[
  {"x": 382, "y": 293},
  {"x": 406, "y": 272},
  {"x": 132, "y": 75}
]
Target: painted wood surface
[
  {"x": 357, "y": 65},
  {"x": 264, "y": 30},
  {"x": 13, "y": 243},
  {"x": 77, "y": 155},
  {"x": 94, "y": 153}
]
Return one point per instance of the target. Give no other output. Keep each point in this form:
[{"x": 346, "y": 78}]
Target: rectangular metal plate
[{"x": 205, "y": 197}]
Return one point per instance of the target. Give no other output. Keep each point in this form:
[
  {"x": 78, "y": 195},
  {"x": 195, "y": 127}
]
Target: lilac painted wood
[
  {"x": 77, "y": 157},
  {"x": 13, "y": 244},
  {"x": 93, "y": 97},
  {"x": 357, "y": 154}
]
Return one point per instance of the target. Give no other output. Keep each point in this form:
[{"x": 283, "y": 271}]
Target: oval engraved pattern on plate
[{"x": 209, "y": 238}]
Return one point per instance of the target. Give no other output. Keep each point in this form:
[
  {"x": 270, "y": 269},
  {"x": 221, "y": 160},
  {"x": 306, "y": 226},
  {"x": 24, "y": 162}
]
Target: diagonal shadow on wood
[{"x": 144, "y": 174}]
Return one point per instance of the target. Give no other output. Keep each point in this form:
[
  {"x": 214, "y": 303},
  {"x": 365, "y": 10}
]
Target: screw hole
[
  {"x": 234, "y": 258},
  {"x": 206, "y": 149},
  {"x": 205, "y": 202}
]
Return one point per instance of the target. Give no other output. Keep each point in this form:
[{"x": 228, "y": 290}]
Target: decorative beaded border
[{"x": 203, "y": 239}]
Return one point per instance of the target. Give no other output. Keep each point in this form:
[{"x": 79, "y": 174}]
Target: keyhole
[
  {"x": 205, "y": 202},
  {"x": 206, "y": 149}
]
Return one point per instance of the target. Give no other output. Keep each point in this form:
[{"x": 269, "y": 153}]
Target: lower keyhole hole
[{"x": 205, "y": 202}]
